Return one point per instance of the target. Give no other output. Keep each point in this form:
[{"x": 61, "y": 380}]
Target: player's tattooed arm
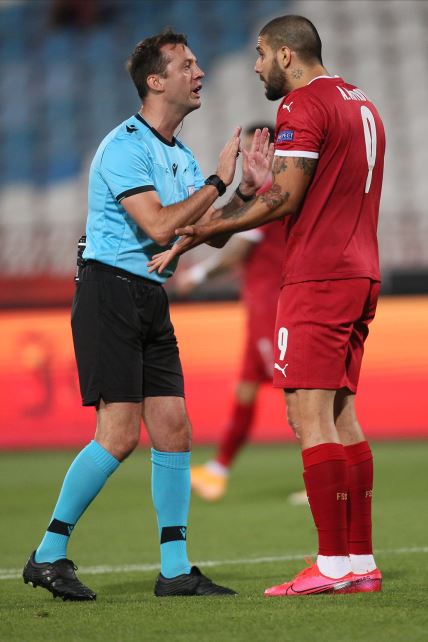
[
  {"x": 229, "y": 211},
  {"x": 287, "y": 185},
  {"x": 308, "y": 165},
  {"x": 274, "y": 197},
  {"x": 231, "y": 206},
  {"x": 292, "y": 177}
]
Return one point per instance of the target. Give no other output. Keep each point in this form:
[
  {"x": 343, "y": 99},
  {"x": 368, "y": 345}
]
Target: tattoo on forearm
[
  {"x": 235, "y": 212},
  {"x": 307, "y": 164},
  {"x": 280, "y": 165},
  {"x": 232, "y": 205},
  {"x": 274, "y": 196}
]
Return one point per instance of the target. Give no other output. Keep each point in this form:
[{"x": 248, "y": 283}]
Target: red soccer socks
[
  {"x": 360, "y": 477},
  {"x": 360, "y": 484},
  {"x": 326, "y": 480},
  {"x": 334, "y": 477}
]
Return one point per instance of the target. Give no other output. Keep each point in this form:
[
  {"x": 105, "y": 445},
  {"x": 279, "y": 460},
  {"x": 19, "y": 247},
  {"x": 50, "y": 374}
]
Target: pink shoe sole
[{"x": 367, "y": 585}]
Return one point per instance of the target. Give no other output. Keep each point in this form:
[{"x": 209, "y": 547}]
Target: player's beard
[{"x": 276, "y": 83}]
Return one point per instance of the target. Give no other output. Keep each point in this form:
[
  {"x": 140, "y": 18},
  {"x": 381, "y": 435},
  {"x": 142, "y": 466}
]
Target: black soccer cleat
[
  {"x": 57, "y": 577},
  {"x": 193, "y": 583}
]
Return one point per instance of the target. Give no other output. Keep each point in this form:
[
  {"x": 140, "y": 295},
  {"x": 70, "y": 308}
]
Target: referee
[{"x": 143, "y": 184}]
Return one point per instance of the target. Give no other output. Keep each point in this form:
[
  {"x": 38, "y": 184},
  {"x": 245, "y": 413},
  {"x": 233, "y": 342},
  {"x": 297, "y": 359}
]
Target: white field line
[{"x": 14, "y": 574}]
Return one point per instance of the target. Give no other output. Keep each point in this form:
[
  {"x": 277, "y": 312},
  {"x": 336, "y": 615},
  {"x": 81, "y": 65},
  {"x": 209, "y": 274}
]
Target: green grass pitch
[{"x": 249, "y": 541}]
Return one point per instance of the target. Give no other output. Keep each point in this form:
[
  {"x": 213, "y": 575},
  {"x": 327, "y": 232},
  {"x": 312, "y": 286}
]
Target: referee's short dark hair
[{"x": 148, "y": 58}]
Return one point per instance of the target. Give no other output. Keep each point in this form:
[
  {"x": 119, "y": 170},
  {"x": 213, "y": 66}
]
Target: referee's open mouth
[{"x": 196, "y": 91}]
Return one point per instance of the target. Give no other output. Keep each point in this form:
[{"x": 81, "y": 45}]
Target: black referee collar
[{"x": 163, "y": 140}]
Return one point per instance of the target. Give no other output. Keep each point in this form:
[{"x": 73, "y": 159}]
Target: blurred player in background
[
  {"x": 259, "y": 253},
  {"x": 327, "y": 180},
  {"x": 143, "y": 184}
]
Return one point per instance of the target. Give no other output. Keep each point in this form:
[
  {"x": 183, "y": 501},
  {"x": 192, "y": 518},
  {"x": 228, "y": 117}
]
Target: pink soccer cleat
[
  {"x": 311, "y": 581},
  {"x": 370, "y": 582}
]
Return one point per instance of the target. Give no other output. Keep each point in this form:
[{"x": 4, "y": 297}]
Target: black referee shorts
[{"x": 123, "y": 337}]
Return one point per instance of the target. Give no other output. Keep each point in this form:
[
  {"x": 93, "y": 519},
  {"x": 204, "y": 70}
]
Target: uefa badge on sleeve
[{"x": 287, "y": 135}]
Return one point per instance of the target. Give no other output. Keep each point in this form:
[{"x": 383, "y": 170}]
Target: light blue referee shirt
[{"x": 134, "y": 158}]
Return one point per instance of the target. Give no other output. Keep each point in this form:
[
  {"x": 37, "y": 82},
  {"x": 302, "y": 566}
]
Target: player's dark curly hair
[
  {"x": 147, "y": 58},
  {"x": 296, "y": 32}
]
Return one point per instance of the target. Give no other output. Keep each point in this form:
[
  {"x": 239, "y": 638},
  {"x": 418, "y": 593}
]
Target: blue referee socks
[
  {"x": 171, "y": 499},
  {"x": 85, "y": 478}
]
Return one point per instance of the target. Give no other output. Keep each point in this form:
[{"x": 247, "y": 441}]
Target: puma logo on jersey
[
  {"x": 277, "y": 367},
  {"x": 131, "y": 129},
  {"x": 288, "y": 106}
]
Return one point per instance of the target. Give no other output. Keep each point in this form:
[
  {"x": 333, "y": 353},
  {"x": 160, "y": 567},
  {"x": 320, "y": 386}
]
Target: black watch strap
[
  {"x": 242, "y": 196},
  {"x": 217, "y": 182}
]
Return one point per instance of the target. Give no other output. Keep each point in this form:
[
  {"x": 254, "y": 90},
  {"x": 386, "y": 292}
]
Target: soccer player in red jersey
[
  {"x": 327, "y": 178},
  {"x": 259, "y": 253}
]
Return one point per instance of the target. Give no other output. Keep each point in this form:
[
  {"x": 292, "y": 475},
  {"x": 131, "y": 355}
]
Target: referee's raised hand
[{"x": 227, "y": 159}]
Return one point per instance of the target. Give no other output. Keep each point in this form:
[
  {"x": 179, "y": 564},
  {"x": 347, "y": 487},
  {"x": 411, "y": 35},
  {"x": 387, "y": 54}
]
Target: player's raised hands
[
  {"x": 227, "y": 159},
  {"x": 257, "y": 162}
]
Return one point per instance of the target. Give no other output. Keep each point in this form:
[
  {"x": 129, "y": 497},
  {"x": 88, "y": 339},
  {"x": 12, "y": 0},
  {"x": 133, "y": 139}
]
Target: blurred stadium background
[{"x": 63, "y": 87}]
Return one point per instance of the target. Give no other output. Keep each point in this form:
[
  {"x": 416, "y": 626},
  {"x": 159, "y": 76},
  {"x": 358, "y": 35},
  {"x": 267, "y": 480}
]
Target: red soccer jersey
[{"x": 334, "y": 235}]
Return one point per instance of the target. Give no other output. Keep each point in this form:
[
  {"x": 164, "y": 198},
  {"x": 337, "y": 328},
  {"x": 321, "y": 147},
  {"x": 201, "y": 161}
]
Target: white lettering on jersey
[
  {"x": 352, "y": 94},
  {"x": 370, "y": 138},
  {"x": 282, "y": 342}
]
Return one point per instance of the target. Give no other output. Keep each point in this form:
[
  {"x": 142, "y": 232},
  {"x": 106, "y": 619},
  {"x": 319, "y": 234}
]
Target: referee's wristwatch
[{"x": 217, "y": 182}]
